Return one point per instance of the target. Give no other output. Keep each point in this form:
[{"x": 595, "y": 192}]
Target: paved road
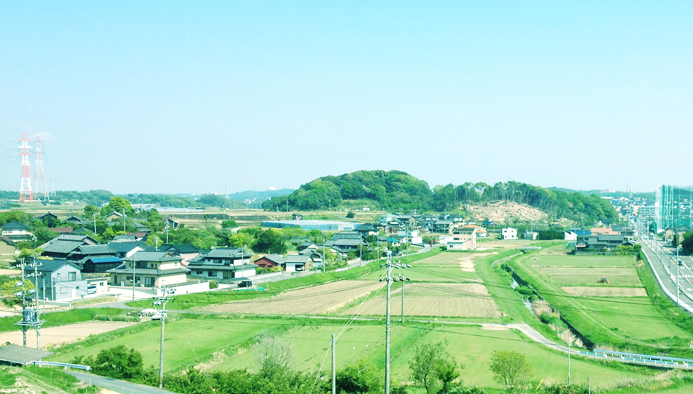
[
  {"x": 662, "y": 259},
  {"x": 118, "y": 386}
]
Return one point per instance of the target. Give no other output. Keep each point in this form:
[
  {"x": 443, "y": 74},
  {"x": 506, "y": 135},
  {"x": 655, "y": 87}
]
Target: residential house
[
  {"x": 508, "y": 233},
  {"x": 603, "y": 231},
  {"x": 125, "y": 249},
  {"x": 296, "y": 216},
  {"x": 58, "y": 280},
  {"x": 315, "y": 255},
  {"x": 463, "y": 238},
  {"x": 530, "y": 235},
  {"x": 17, "y": 232},
  {"x": 114, "y": 216},
  {"x": 387, "y": 218},
  {"x": 269, "y": 261},
  {"x": 49, "y": 219},
  {"x": 570, "y": 236},
  {"x": 171, "y": 224},
  {"x": 83, "y": 252},
  {"x": 138, "y": 235},
  {"x": 62, "y": 246},
  {"x": 77, "y": 222},
  {"x": 442, "y": 226},
  {"x": 306, "y": 245},
  {"x": 100, "y": 264},
  {"x": 149, "y": 269},
  {"x": 366, "y": 230},
  {"x": 186, "y": 251},
  {"x": 346, "y": 244},
  {"x": 222, "y": 263},
  {"x": 297, "y": 263},
  {"x": 600, "y": 242}
]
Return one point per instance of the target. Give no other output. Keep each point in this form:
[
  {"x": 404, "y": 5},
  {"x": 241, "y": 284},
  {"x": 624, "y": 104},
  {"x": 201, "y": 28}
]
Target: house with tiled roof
[
  {"x": 149, "y": 269},
  {"x": 125, "y": 249},
  {"x": 222, "y": 263},
  {"x": 269, "y": 261},
  {"x": 186, "y": 251},
  {"x": 16, "y": 231},
  {"x": 62, "y": 246}
]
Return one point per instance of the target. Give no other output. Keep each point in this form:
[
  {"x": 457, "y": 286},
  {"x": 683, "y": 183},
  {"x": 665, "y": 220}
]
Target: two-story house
[
  {"x": 223, "y": 263},
  {"x": 149, "y": 269},
  {"x": 57, "y": 280},
  {"x": 17, "y": 232}
]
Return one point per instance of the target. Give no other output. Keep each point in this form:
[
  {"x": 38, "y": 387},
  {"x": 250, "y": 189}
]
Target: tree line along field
[{"x": 619, "y": 313}]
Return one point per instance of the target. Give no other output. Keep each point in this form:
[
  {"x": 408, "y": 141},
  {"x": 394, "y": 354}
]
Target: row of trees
[
  {"x": 433, "y": 368},
  {"x": 396, "y": 190}
]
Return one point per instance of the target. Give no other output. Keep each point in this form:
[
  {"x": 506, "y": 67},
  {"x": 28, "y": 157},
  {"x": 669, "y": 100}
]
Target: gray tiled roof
[
  {"x": 153, "y": 256},
  {"x": 301, "y": 258},
  {"x": 227, "y": 253},
  {"x": 61, "y": 247},
  {"x": 15, "y": 225},
  {"x": 50, "y": 265},
  {"x": 95, "y": 249},
  {"x": 125, "y": 247}
]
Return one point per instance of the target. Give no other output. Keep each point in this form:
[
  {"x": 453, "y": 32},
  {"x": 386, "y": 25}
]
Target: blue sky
[{"x": 178, "y": 97}]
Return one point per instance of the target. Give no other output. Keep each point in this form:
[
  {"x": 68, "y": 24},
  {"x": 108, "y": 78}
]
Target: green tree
[
  {"x": 446, "y": 370},
  {"x": 229, "y": 223},
  {"x": 117, "y": 362},
  {"x": 431, "y": 361},
  {"x": 89, "y": 211},
  {"x": 362, "y": 377},
  {"x": 270, "y": 241},
  {"x": 119, "y": 204},
  {"x": 350, "y": 215},
  {"x": 511, "y": 369},
  {"x": 239, "y": 239}
]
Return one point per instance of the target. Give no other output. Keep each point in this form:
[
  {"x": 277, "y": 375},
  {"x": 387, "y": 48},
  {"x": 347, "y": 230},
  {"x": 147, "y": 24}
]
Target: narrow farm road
[{"x": 118, "y": 386}]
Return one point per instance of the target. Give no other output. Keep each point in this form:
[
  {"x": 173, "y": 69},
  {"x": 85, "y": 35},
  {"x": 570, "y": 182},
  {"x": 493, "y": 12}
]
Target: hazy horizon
[{"x": 175, "y": 97}]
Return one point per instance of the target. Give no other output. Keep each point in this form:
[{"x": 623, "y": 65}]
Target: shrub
[{"x": 213, "y": 284}]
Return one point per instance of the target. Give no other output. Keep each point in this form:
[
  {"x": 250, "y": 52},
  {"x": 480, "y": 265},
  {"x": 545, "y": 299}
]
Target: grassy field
[
  {"x": 187, "y": 342},
  {"x": 633, "y": 323},
  {"x": 470, "y": 345}
]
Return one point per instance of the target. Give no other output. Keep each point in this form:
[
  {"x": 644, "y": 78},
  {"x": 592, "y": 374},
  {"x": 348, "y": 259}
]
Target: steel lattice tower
[
  {"x": 41, "y": 186},
  {"x": 25, "y": 193}
]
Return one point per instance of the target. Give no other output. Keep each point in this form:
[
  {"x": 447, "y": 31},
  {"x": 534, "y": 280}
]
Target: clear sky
[{"x": 178, "y": 97}]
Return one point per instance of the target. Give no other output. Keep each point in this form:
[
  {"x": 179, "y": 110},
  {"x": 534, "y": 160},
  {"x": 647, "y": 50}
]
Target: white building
[{"x": 509, "y": 233}]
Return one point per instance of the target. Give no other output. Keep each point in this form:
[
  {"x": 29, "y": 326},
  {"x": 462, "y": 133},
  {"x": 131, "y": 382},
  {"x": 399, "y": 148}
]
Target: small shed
[{"x": 20, "y": 355}]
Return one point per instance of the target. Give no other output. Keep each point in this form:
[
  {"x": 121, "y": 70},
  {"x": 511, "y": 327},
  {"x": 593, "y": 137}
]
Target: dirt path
[{"x": 62, "y": 334}]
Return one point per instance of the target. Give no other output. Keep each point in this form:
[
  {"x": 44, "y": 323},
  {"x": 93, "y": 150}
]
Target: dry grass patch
[
  {"x": 581, "y": 291},
  {"x": 312, "y": 300},
  {"x": 63, "y": 334},
  {"x": 439, "y": 300}
]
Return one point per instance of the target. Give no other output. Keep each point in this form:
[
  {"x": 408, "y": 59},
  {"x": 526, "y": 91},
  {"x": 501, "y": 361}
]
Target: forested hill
[
  {"x": 387, "y": 189},
  {"x": 399, "y": 191}
]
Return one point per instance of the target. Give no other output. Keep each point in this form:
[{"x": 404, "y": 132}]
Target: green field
[
  {"x": 470, "y": 345},
  {"x": 430, "y": 274},
  {"x": 632, "y": 323},
  {"x": 549, "y": 259},
  {"x": 187, "y": 341}
]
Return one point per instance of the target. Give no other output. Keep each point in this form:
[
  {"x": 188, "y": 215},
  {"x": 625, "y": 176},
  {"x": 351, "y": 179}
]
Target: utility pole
[
  {"x": 94, "y": 223},
  {"x": 162, "y": 300},
  {"x": 334, "y": 368},
  {"x": 570, "y": 339},
  {"x": 134, "y": 277},
  {"x": 30, "y": 314},
  {"x": 389, "y": 265},
  {"x": 678, "y": 270},
  {"x": 403, "y": 279},
  {"x": 123, "y": 220}
]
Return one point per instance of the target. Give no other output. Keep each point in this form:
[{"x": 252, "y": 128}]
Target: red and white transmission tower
[
  {"x": 25, "y": 193},
  {"x": 41, "y": 186}
]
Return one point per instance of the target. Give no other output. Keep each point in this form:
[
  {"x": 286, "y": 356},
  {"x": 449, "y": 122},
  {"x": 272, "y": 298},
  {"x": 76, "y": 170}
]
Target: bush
[
  {"x": 213, "y": 284},
  {"x": 350, "y": 215}
]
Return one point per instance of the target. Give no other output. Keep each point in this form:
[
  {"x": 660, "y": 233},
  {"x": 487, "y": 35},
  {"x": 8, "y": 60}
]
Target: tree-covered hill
[
  {"x": 396, "y": 190},
  {"x": 387, "y": 189}
]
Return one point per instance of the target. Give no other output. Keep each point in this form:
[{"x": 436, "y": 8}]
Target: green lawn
[
  {"x": 470, "y": 345},
  {"x": 187, "y": 341},
  {"x": 617, "y": 277}
]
